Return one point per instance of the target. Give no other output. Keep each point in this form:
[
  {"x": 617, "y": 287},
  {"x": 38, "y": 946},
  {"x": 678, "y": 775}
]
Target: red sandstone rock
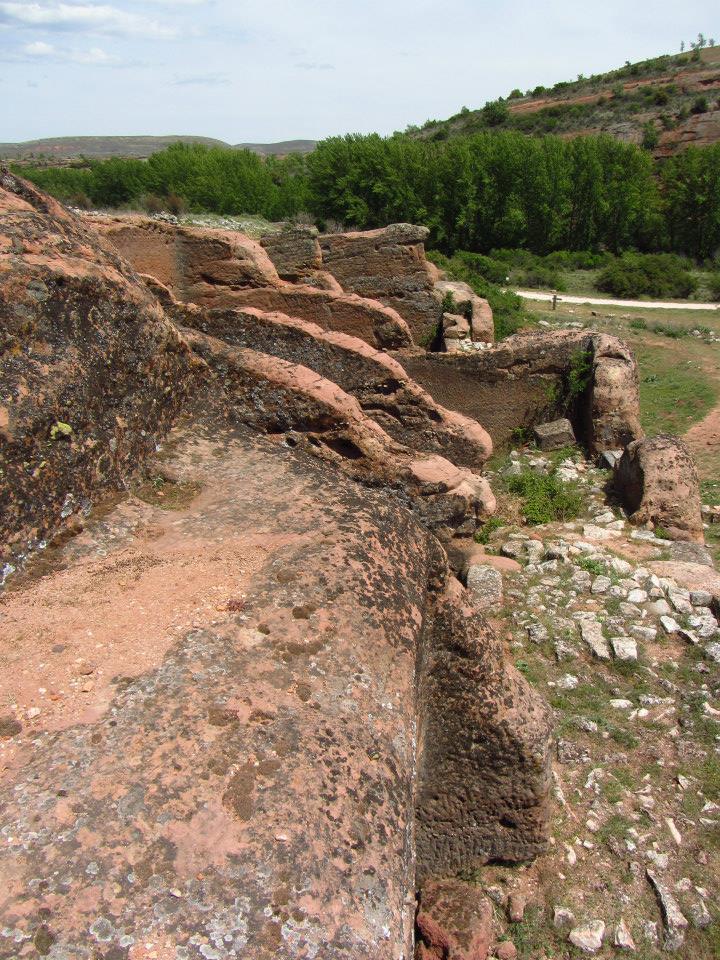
[
  {"x": 92, "y": 371},
  {"x": 381, "y": 386},
  {"x": 454, "y": 921},
  {"x": 658, "y": 483},
  {"x": 222, "y": 269},
  {"x": 388, "y": 265},
  {"x": 475, "y": 308},
  {"x": 286, "y": 399}
]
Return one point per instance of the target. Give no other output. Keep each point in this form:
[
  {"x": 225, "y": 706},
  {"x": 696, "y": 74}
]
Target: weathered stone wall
[
  {"x": 388, "y": 265},
  {"x": 526, "y": 379},
  {"x": 92, "y": 372}
]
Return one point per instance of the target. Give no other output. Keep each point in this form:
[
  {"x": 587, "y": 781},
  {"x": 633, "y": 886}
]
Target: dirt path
[
  {"x": 601, "y": 301},
  {"x": 704, "y": 436}
]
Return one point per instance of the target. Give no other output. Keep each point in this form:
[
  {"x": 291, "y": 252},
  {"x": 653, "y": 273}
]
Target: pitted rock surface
[
  {"x": 92, "y": 371},
  {"x": 253, "y": 793},
  {"x": 658, "y": 483},
  {"x": 526, "y": 379}
]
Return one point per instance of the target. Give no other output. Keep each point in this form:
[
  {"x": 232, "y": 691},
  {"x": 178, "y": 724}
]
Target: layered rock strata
[
  {"x": 377, "y": 381},
  {"x": 219, "y": 268},
  {"x": 298, "y": 712}
]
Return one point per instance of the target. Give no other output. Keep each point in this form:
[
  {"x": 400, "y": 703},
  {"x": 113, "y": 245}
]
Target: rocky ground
[{"x": 628, "y": 661}]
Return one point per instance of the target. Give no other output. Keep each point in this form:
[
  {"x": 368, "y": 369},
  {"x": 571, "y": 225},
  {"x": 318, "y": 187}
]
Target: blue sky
[{"x": 265, "y": 70}]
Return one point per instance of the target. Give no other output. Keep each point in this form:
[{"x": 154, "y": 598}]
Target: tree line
[{"x": 480, "y": 192}]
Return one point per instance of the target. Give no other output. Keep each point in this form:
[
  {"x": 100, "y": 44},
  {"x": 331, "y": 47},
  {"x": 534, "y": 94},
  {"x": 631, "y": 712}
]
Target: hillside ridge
[
  {"x": 136, "y": 147},
  {"x": 664, "y": 104}
]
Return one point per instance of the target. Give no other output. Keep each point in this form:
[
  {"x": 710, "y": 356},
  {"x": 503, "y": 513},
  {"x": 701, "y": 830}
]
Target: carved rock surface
[
  {"x": 525, "y": 379},
  {"x": 378, "y": 382},
  {"x": 92, "y": 372},
  {"x": 388, "y": 265},
  {"x": 658, "y": 483}
]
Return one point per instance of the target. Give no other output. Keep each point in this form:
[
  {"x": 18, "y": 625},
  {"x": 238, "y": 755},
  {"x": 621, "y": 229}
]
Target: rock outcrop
[
  {"x": 219, "y": 268},
  {"x": 536, "y": 377},
  {"x": 296, "y": 255},
  {"x": 92, "y": 372},
  {"x": 467, "y": 303},
  {"x": 299, "y": 710},
  {"x": 388, "y": 265},
  {"x": 378, "y": 382},
  {"x": 285, "y": 399},
  {"x": 657, "y": 481}
]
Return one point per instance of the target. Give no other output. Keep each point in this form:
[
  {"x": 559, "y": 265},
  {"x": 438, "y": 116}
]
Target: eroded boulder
[
  {"x": 467, "y": 303},
  {"x": 454, "y": 920},
  {"x": 657, "y": 481}
]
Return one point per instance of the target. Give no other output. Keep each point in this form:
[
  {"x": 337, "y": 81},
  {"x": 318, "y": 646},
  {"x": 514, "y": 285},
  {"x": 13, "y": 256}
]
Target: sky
[{"x": 269, "y": 70}]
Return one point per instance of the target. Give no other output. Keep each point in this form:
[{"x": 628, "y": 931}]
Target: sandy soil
[{"x": 113, "y": 612}]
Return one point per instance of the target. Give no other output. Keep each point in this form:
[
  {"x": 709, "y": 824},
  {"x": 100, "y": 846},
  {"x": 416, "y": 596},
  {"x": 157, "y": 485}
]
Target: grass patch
[
  {"x": 545, "y": 498},
  {"x": 673, "y": 394}
]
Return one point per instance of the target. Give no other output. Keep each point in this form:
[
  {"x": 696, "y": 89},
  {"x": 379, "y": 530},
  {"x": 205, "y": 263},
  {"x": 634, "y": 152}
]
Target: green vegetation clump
[
  {"x": 649, "y": 275},
  {"x": 486, "y": 531},
  {"x": 545, "y": 498},
  {"x": 580, "y": 372},
  {"x": 485, "y": 192}
]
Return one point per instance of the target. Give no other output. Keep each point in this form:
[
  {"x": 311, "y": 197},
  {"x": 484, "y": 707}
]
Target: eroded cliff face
[{"x": 292, "y": 685}]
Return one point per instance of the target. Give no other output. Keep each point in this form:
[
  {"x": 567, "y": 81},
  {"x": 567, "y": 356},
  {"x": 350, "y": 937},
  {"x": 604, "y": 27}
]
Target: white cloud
[
  {"x": 89, "y": 17},
  {"x": 39, "y": 50}
]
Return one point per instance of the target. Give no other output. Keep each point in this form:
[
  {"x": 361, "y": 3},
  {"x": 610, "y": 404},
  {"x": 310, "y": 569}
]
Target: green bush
[
  {"x": 714, "y": 285},
  {"x": 542, "y": 276},
  {"x": 580, "y": 373},
  {"x": 647, "y": 275},
  {"x": 545, "y": 498},
  {"x": 486, "y": 531}
]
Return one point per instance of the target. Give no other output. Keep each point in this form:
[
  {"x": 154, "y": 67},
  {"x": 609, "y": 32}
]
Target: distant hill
[
  {"x": 64, "y": 149},
  {"x": 665, "y": 104}
]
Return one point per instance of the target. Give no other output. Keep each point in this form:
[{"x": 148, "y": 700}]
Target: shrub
[
  {"x": 495, "y": 113},
  {"x": 542, "y": 276},
  {"x": 700, "y": 105},
  {"x": 580, "y": 373},
  {"x": 488, "y": 528},
  {"x": 545, "y": 498},
  {"x": 714, "y": 285},
  {"x": 650, "y": 275},
  {"x": 651, "y": 137}
]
